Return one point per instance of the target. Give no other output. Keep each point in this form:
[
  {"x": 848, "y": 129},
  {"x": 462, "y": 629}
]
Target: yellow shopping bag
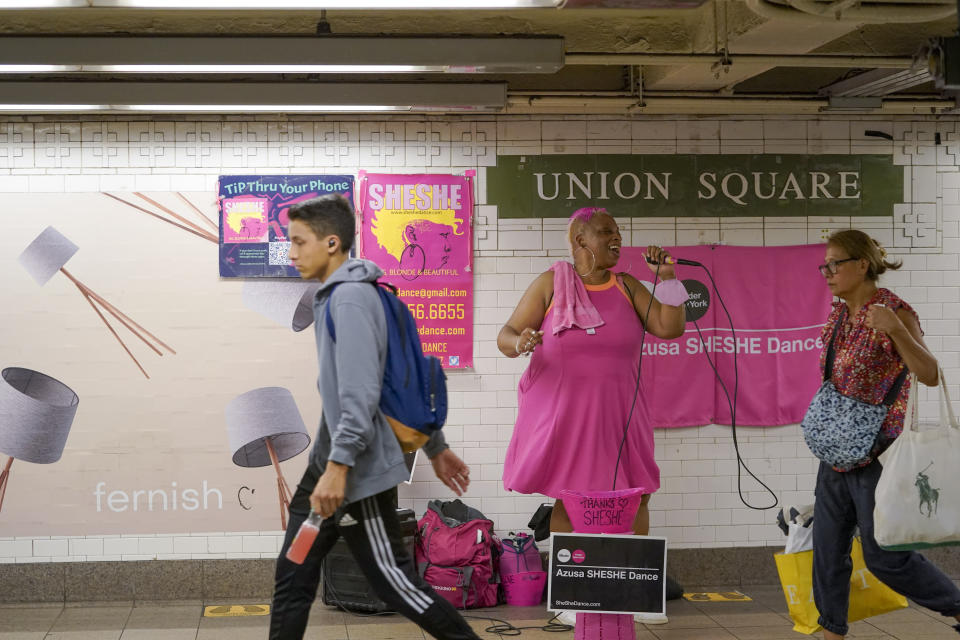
[{"x": 868, "y": 596}]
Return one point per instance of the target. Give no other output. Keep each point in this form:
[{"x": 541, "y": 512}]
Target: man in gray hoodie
[{"x": 356, "y": 462}]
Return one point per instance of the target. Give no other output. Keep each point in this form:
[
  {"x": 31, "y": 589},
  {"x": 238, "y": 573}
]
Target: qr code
[{"x": 279, "y": 253}]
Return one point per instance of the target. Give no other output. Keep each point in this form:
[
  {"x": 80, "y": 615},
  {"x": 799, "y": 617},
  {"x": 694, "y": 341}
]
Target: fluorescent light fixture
[
  {"x": 328, "y": 4},
  {"x": 28, "y": 108},
  {"x": 259, "y": 108},
  {"x": 256, "y": 68},
  {"x": 878, "y": 82},
  {"x": 213, "y": 68},
  {"x": 270, "y": 97},
  {"x": 329, "y": 54},
  {"x": 38, "y": 68},
  {"x": 42, "y": 4}
]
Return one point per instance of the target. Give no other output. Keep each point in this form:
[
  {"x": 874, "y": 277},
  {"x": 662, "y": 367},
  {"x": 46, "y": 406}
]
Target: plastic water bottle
[{"x": 303, "y": 541}]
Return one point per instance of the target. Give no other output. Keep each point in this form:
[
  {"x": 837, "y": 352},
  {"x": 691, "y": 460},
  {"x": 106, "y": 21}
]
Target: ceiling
[{"x": 779, "y": 55}]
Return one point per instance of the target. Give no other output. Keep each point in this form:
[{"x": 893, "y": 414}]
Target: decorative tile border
[{"x": 126, "y": 155}]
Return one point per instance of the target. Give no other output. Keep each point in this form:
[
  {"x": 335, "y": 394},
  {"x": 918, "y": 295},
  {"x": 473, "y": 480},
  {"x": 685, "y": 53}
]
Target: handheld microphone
[{"x": 672, "y": 260}]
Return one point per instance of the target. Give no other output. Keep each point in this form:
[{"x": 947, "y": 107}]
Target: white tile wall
[{"x": 698, "y": 504}]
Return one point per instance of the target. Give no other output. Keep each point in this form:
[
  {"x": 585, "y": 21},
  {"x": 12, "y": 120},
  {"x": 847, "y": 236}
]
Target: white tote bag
[{"x": 918, "y": 496}]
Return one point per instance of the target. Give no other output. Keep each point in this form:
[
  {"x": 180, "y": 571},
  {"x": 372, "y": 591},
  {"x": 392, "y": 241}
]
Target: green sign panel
[{"x": 554, "y": 186}]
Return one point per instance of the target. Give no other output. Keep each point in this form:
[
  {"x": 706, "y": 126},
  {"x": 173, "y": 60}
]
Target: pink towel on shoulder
[{"x": 571, "y": 304}]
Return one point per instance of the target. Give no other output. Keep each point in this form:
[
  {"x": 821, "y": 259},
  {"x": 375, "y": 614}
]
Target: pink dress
[{"x": 575, "y": 397}]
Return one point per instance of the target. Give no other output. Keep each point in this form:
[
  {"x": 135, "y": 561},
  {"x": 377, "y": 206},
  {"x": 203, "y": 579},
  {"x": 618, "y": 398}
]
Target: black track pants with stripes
[{"x": 372, "y": 531}]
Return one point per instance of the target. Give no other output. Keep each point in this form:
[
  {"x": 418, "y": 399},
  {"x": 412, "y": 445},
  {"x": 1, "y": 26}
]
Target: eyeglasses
[{"x": 830, "y": 269}]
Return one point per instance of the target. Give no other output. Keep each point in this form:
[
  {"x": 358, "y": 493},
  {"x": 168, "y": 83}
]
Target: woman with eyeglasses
[{"x": 877, "y": 335}]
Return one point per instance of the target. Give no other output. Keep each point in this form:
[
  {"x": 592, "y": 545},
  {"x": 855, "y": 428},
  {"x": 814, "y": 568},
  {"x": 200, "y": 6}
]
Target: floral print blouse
[{"x": 866, "y": 364}]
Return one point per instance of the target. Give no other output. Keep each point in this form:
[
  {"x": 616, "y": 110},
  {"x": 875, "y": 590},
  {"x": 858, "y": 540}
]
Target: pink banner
[
  {"x": 778, "y": 303},
  {"x": 417, "y": 228}
]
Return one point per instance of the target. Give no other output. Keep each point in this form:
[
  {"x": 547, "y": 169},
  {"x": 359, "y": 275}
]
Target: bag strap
[
  {"x": 466, "y": 574},
  {"x": 384, "y": 289},
  {"x": 332, "y": 330},
  {"x": 831, "y": 352},
  {"x": 894, "y": 390},
  {"x": 910, "y": 421},
  {"x": 947, "y": 417},
  {"x": 945, "y": 403}
]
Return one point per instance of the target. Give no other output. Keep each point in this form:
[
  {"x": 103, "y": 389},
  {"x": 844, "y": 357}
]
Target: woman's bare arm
[
  {"x": 665, "y": 321},
  {"x": 524, "y": 324},
  {"x": 913, "y": 350}
]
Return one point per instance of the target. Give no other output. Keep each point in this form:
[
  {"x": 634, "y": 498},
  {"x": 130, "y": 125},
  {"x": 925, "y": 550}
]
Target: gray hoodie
[{"x": 353, "y": 430}]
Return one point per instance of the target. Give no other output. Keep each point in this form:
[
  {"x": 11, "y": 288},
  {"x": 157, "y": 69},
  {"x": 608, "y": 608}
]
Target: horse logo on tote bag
[{"x": 928, "y": 495}]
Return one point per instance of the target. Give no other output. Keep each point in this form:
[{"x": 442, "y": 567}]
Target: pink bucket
[
  {"x": 524, "y": 589},
  {"x": 602, "y": 511}
]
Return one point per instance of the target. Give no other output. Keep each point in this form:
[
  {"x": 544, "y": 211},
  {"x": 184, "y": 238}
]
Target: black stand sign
[{"x": 600, "y": 573}]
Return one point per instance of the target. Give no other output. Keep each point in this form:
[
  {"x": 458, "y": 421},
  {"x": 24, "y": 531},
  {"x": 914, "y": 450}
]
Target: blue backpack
[{"x": 414, "y": 393}]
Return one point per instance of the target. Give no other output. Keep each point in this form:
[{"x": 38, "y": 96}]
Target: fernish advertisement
[{"x": 126, "y": 363}]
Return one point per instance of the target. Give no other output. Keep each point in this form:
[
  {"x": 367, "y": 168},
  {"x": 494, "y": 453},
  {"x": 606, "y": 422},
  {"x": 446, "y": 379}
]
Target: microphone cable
[
  {"x": 636, "y": 390},
  {"x": 731, "y": 403}
]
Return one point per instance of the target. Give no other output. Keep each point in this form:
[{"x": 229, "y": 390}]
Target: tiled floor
[{"x": 765, "y": 618}]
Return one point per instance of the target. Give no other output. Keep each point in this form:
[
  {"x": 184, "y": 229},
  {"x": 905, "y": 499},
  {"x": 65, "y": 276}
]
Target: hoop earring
[{"x": 592, "y": 268}]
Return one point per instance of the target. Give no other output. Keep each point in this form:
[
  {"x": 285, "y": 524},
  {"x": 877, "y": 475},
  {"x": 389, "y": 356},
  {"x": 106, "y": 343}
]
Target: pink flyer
[
  {"x": 245, "y": 219},
  {"x": 417, "y": 228}
]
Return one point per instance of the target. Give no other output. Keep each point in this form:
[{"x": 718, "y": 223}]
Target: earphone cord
[{"x": 636, "y": 391}]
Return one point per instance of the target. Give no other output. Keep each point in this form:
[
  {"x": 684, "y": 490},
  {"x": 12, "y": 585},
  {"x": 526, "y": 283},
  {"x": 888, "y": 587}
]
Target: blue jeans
[{"x": 845, "y": 500}]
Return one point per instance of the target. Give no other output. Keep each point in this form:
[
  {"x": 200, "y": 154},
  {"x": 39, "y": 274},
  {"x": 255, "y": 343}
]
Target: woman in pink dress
[{"x": 581, "y": 324}]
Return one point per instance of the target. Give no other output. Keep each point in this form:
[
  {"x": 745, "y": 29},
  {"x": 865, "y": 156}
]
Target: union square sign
[{"x": 554, "y": 186}]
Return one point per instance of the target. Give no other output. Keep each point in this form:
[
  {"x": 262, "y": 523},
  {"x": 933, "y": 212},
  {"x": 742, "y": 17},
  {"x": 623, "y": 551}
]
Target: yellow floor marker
[
  {"x": 721, "y": 596},
  {"x": 229, "y": 610}
]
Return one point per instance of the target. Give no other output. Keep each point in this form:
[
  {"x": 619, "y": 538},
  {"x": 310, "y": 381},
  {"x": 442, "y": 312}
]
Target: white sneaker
[
  {"x": 650, "y": 618},
  {"x": 567, "y": 617}
]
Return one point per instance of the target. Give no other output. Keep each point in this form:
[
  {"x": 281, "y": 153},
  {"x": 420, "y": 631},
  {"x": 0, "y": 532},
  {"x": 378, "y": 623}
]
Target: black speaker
[{"x": 343, "y": 583}]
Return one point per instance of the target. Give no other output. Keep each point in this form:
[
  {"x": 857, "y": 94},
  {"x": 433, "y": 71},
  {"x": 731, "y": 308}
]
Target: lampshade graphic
[
  {"x": 288, "y": 303},
  {"x": 264, "y": 427},
  {"x": 36, "y": 412},
  {"x": 182, "y": 223},
  {"x": 48, "y": 253}
]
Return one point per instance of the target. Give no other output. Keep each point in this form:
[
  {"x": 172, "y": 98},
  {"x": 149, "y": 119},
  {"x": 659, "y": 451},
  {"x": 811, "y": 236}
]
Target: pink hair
[{"x": 586, "y": 213}]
